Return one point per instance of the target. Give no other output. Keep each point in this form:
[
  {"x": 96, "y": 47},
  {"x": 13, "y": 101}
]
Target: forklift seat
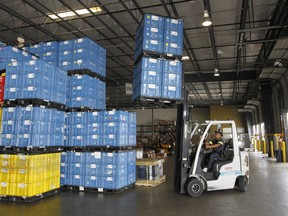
[{"x": 225, "y": 158}]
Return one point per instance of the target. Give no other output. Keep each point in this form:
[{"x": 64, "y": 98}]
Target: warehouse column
[{"x": 267, "y": 110}]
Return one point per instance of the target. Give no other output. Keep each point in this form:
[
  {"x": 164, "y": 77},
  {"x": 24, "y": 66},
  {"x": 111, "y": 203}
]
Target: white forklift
[{"x": 230, "y": 170}]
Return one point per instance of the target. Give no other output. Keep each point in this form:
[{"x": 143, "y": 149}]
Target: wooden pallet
[{"x": 151, "y": 183}]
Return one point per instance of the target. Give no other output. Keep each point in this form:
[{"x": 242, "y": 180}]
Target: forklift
[{"x": 230, "y": 170}]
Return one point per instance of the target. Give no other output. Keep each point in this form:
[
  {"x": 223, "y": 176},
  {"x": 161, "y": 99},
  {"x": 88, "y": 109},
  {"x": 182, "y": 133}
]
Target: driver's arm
[{"x": 213, "y": 146}]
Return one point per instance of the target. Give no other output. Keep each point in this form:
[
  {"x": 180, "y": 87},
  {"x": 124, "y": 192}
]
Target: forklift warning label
[{"x": 231, "y": 173}]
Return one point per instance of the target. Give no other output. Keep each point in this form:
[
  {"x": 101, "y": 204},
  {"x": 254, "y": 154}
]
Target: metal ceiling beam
[
  {"x": 227, "y": 76},
  {"x": 279, "y": 18},
  {"x": 29, "y": 22},
  {"x": 129, "y": 11}
]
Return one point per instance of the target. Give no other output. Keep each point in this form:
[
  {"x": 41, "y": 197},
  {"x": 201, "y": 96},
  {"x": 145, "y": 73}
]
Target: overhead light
[
  {"x": 143, "y": 108},
  {"x": 206, "y": 19},
  {"x": 185, "y": 58},
  {"x": 221, "y": 103},
  {"x": 216, "y": 72},
  {"x": 20, "y": 41},
  {"x": 278, "y": 63},
  {"x": 219, "y": 93},
  {"x": 66, "y": 14}
]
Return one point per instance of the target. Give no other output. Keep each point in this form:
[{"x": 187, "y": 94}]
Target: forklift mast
[{"x": 182, "y": 147}]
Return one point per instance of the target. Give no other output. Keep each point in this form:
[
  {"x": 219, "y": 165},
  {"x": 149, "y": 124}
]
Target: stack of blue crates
[
  {"x": 171, "y": 79},
  {"x": 35, "y": 79},
  {"x": 107, "y": 170},
  {"x": 86, "y": 91},
  {"x": 32, "y": 127},
  {"x": 9, "y": 54},
  {"x": 47, "y": 52},
  {"x": 100, "y": 128},
  {"x": 82, "y": 54},
  {"x": 147, "y": 78},
  {"x": 150, "y": 35},
  {"x": 155, "y": 77}
]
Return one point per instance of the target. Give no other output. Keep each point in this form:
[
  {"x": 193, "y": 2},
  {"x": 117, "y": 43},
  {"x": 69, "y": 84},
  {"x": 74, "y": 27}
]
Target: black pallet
[
  {"x": 156, "y": 55},
  {"x": 34, "y": 102},
  {"x": 97, "y": 190},
  {"x": 157, "y": 101},
  {"x": 29, "y": 199},
  {"x": 81, "y": 109},
  {"x": 86, "y": 72},
  {"x": 98, "y": 148},
  {"x": 30, "y": 150}
]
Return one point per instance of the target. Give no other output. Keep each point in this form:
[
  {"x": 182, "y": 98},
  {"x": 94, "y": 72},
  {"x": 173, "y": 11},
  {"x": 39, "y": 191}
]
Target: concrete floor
[{"x": 267, "y": 194}]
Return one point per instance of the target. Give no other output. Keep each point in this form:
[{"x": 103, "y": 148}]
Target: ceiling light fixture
[
  {"x": 219, "y": 93},
  {"x": 206, "y": 19},
  {"x": 185, "y": 58},
  {"x": 221, "y": 103},
  {"x": 74, "y": 13},
  {"x": 216, "y": 72}
]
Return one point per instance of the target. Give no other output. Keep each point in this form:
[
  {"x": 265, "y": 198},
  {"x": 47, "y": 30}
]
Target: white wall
[{"x": 144, "y": 117}]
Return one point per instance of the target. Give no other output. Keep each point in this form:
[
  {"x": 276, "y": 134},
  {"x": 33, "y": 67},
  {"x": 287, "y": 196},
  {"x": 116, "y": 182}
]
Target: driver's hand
[{"x": 207, "y": 146}]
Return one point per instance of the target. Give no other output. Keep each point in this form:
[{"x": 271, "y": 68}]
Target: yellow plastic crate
[
  {"x": 4, "y": 175},
  {"x": 5, "y": 188},
  {"x": 26, "y": 190},
  {"x": 29, "y": 161},
  {"x": 27, "y": 175},
  {"x": 5, "y": 164},
  {"x": 52, "y": 183}
]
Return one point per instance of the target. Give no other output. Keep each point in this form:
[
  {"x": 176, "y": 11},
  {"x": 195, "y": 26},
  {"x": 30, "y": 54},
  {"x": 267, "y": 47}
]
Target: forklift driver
[{"x": 217, "y": 146}]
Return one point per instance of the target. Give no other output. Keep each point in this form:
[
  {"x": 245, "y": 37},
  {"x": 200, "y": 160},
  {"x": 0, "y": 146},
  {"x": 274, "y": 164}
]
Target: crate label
[
  {"x": 153, "y": 60},
  {"x": 154, "y": 42},
  {"x": 4, "y": 163},
  {"x": 66, "y": 42},
  {"x": 10, "y": 122},
  {"x": 111, "y": 112},
  {"x": 172, "y": 88},
  {"x": 111, "y": 136},
  {"x": 109, "y": 178},
  {"x": 152, "y": 73},
  {"x": 95, "y": 113},
  {"x": 32, "y": 62},
  {"x": 152, "y": 86},
  {"x": 3, "y": 184},
  {"x": 79, "y": 114},
  {"x": 97, "y": 155},
  {"x": 14, "y": 49},
  {"x": 174, "y": 21},
  {"x": 65, "y": 63},
  {"x": 174, "y": 63},
  {"x": 30, "y": 88},
  {"x": 154, "y": 17},
  {"x": 77, "y": 154},
  {"x": 12, "y": 89},
  {"x": 31, "y": 75},
  {"x": 95, "y": 124},
  {"x": 48, "y": 53},
  {"x": 93, "y": 178},
  {"x": 11, "y": 109},
  {"x": 63, "y": 164},
  {"x": 172, "y": 76},
  {"x": 26, "y": 136},
  {"x": 14, "y": 76},
  {"x": 22, "y": 171},
  {"x": 94, "y": 136},
  {"x": 110, "y": 166},
  {"x": 93, "y": 166},
  {"x": 79, "y": 76},
  {"x": 154, "y": 30},
  {"x": 174, "y": 33},
  {"x": 79, "y": 126},
  {"x": 21, "y": 185},
  {"x": 79, "y": 137},
  {"x": 111, "y": 124},
  {"x": 48, "y": 44},
  {"x": 100, "y": 189},
  {"x": 80, "y": 50},
  {"x": 28, "y": 108},
  {"x": 79, "y": 87},
  {"x": 110, "y": 154},
  {"x": 66, "y": 53},
  {"x": 8, "y": 136},
  {"x": 173, "y": 45},
  {"x": 25, "y": 53},
  {"x": 80, "y": 40},
  {"x": 5, "y": 156},
  {"x": 79, "y": 61},
  {"x": 27, "y": 122},
  {"x": 4, "y": 170},
  {"x": 77, "y": 165},
  {"x": 78, "y": 98},
  {"x": 77, "y": 176},
  {"x": 62, "y": 175},
  {"x": 14, "y": 63}
]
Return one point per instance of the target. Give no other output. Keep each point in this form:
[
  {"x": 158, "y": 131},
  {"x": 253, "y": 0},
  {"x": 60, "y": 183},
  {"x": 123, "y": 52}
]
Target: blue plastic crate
[
  {"x": 131, "y": 178},
  {"x": 10, "y": 113},
  {"x": 115, "y": 140},
  {"x": 172, "y": 79},
  {"x": 113, "y": 158},
  {"x": 153, "y": 20},
  {"x": 114, "y": 170},
  {"x": 114, "y": 182},
  {"x": 65, "y": 65},
  {"x": 79, "y": 157},
  {"x": 171, "y": 92},
  {"x": 77, "y": 140},
  {"x": 13, "y": 79},
  {"x": 84, "y": 43},
  {"x": 171, "y": 48},
  {"x": 64, "y": 168},
  {"x": 95, "y": 128},
  {"x": 35, "y": 113},
  {"x": 11, "y": 52},
  {"x": 116, "y": 115},
  {"x": 66, "y": 45},
  {"x": 57, "y": 140},
  {"x": 94, "y": 158},
  {"x": 131, "y": 156},
  {"x": 173, "y": 37},
  {"x": 146, "y": 90},
  {"x": 92, "y": 181},
  {"x": 77, "y": 118},
  {"x": 116, "y": 128},
  {"x": 30, "y": 126},
  {"x": 9, "y": 140},
  {"x": 65, "y": 55},
  {"x": 51, "y": 46},
  {"x": 93, "y": 169},
  {"x": 173, "y": 24},
  {"x": 152, "y": 33},
  {"x": 63, "y": 179},
  {"x": 95, "y": 117},
  {"x": 170, "y": 66},
  {"x": 9, "y": 127},
  {"x": 95, "y": 140},
  {"x": 77, "y": 180},
  {"x": 131, "y": 167},
  {"x": 76, "y": 168},
  {"x": 78, "y": 130}
]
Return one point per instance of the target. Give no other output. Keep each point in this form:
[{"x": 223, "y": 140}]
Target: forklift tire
[
  {"x": 242, "y": 183},
  {"x": 194, "y": 187}
]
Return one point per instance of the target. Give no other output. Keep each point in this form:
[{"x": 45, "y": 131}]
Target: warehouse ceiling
[{"x": 246, "y": 40}]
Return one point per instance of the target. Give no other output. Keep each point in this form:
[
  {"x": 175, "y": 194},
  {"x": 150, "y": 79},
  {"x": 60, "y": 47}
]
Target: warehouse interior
[{"x": 233, "y": 69}]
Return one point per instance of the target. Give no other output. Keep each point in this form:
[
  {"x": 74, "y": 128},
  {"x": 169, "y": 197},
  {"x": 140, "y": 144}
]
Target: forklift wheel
[
  {"x": 194, "y": 187},
  {"x": 242, "y": 183}
]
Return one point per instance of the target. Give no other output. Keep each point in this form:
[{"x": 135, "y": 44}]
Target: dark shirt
[{"x": 220, "y": 148}]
